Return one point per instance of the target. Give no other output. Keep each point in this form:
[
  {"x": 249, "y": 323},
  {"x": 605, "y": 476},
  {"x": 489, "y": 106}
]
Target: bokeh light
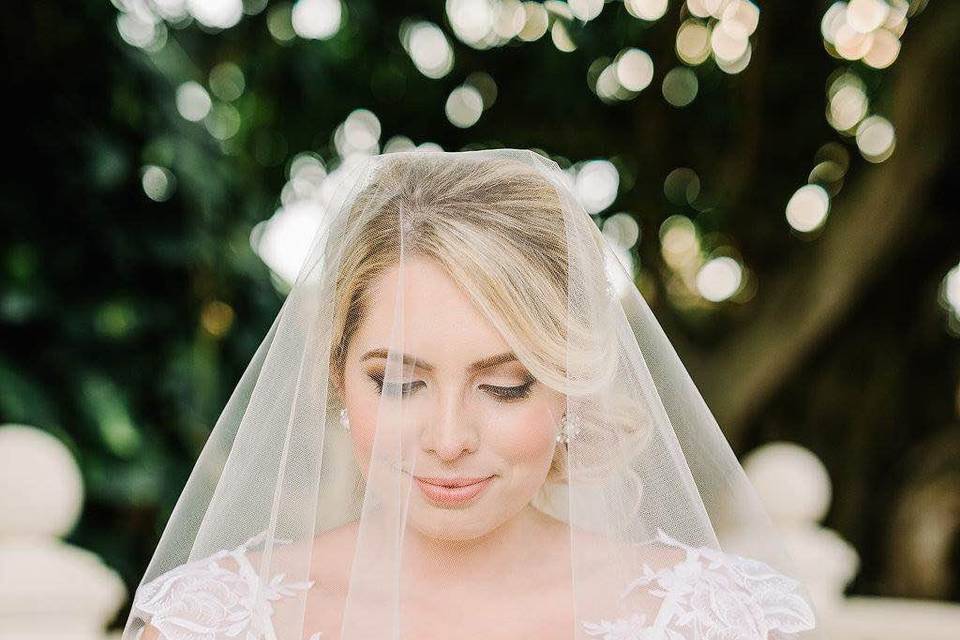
[
  {"x": 535, "y": 22},
  {"x": 740, "y": 18},
  {"x": 622, "y": 78},
  {"x": 158, "y": 183},
  {"x": 622, "y": 230},
  {"x": 808, "y": 207},
  {"x": 484, "y": 83},
  {"x": 193, "y": 101},
  {"x": 728, "y": 44},
  {"x": 736, "y": 65},
  {"x": 398, "y": 143},
  {"x": 483, "y": 24},
  {"x": 358, "y": 134},
  {"x": 307, "y": 177},
  {"x": 471, "y": 20},
  {"x": 597, "y": 182},
  {"x": 141, "y": 28},
  {"x": 316, "y": 19},
  {"x": 172, "y": 10},
  {"x": 876, "y": 138},
  {"x": 464, "y": 106},
  {"x": 866, "y": 15},
  {"x": 280, "y": 22},
  {"x": 223, "y": 121},
  {"x": 586, "y": 10},
  {"x": 561, "y": 37},
  {"x": 216, "y": 318},
  {"x": 648, "y": 10},
  {"x": 693, "y": 42},
  {"x": 680, "y": 86},
  {"x": 679, "y": 241},
  {"x": 950, "y": 296},
  {"x": 883, "y": 50},
  {"x": 847, "y": 102},
  {"x": 428, "y": 47},
  {"x": 832, "y": 161},
  {"x": 682, "y": 186},
  {"x": 698, "y": 8},
  {"x": 719, "y": 278},
  {"x": 283, "y": 241},
  {"x": 219, "y": 14},
  {"x": 634, "y": 69},
  {"x": 227, "y": 81}
]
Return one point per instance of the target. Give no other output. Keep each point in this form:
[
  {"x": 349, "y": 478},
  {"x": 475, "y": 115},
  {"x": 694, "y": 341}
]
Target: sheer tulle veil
[{"x": 599, "y": 499}]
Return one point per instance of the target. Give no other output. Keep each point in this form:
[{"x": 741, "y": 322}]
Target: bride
[{"x": 466, "y": 423}]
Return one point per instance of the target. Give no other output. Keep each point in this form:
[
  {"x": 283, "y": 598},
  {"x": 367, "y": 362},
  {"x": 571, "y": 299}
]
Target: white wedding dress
[{"x": 708, "y": 595}]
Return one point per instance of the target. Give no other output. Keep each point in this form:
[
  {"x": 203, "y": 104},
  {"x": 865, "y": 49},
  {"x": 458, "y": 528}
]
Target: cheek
[
  {"x": 362, "y": 428},
  {"x": 524, "y": 436},
  {"x": 362, "y": 405}
]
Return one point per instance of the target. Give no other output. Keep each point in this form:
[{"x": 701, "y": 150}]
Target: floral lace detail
[
  {"x": 202, "y": 600},
  {"x": 711, "y": 595}
]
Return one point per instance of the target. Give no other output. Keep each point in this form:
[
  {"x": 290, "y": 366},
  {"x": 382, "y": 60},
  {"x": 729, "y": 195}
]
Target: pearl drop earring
[
  {"x": 568, "y": 431},
  {"x": 344, "y": 420}
]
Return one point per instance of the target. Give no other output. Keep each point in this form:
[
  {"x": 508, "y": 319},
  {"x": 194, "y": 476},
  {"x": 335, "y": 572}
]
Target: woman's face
[{"x": 470, "y": 410}]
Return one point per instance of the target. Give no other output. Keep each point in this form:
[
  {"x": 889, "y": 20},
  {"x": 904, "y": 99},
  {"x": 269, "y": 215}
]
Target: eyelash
[{"x": 504, "y": 394}]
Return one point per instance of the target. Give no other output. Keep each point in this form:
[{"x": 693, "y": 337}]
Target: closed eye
[
  {"x": 406, "y": 388},
  {"x": 510, "y": 393}
]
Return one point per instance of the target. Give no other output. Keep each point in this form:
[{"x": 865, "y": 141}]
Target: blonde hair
[{"x": 497, "y": 227}]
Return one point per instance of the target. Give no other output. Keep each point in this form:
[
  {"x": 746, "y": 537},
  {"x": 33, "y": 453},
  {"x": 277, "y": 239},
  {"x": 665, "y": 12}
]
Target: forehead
[{"x": 441, "y": 324}]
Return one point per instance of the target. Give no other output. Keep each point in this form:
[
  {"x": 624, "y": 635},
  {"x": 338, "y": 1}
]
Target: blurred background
[{"x": 779, "y": 177}]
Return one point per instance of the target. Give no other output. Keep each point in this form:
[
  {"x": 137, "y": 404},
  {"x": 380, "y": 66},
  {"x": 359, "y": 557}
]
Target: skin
[{"x": 458, "y": 420}]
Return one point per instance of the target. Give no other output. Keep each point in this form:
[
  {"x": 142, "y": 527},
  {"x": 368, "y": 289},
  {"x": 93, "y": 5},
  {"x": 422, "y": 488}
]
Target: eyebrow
[{"x": 479, "y": 365}]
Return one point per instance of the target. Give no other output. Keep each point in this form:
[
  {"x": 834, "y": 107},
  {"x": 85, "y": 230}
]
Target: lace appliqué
[
  {"x": 711, "y": 595},
  {"x": 202, "y": 600}
]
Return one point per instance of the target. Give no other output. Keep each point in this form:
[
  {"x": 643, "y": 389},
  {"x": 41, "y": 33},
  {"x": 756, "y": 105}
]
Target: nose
[{"x": 450, "y": 431}]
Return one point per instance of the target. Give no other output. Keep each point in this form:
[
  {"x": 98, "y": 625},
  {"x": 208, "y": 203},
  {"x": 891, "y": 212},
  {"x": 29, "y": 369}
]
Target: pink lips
[{"x": 452, "y": 491}]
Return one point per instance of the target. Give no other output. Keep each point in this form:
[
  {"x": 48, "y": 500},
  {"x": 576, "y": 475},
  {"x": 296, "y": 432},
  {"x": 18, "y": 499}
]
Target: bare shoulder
[
  {"x": 604, "y": 549},
  {"x": 330, "y": 564},
  {"x": 332, "y": 556},
  {"x": 337, "y": 540},
  {"x": 329, "y": 554},
  {"x": 657, "y": 555}
]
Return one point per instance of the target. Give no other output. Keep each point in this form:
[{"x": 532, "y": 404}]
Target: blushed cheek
[
  {"x": 526, "y": 438},
  {"x": 364, "y": 413}
]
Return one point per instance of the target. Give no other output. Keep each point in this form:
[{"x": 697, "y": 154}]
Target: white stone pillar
[
  {"x": 795, "y": 488},
  {"x": 796, "y": 491},
  {"x": 48, "y": 589}
]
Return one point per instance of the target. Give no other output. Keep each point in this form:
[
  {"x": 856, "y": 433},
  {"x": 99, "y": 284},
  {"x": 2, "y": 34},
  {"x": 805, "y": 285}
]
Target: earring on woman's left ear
[{"x": 344, "y": 420}]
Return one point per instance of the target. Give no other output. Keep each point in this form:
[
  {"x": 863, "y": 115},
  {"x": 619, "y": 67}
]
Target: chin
[{"x": 449, "y": 524}]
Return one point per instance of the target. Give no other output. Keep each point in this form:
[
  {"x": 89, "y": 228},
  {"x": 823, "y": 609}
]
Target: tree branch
[{"x": 869, "y": 224}]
